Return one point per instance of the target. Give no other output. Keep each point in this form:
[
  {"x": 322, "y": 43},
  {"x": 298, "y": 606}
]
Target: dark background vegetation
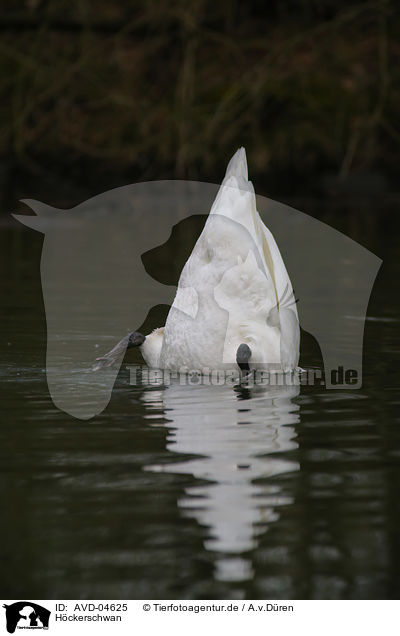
[{"x": 98, "y": 94}]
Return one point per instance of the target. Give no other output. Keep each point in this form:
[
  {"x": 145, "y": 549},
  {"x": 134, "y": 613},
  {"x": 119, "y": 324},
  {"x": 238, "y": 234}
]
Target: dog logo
[{"x": 26, "y": 615}]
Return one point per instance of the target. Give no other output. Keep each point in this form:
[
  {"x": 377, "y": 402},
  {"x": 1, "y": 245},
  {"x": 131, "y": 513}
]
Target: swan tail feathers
[
  {"x": 237, "y": 167},
  {"x": 236, "y": 197}
]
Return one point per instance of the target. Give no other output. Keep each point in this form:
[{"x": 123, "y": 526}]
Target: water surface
[{"x": 196, "y": 491}]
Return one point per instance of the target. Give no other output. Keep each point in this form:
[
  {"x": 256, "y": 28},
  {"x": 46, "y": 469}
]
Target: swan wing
[
  {"x": 236, "y": 200},
  {"x": 286, "y": 302},
  {"x": 241, "y": 207}
]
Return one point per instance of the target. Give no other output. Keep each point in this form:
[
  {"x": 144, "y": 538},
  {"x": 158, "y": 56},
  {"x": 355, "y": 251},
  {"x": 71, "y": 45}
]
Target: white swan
[{"x": 234, "y": 303}]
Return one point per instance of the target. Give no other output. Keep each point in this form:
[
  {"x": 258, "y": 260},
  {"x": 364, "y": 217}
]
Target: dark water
[{"x": 202, "y": 492}]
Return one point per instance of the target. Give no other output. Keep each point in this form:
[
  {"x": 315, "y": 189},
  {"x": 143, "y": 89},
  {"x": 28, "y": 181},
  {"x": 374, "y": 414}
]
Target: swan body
[
  {"x": 151, "y": 348},
  {"x": 234, "y": 305},
  {"x": 233, "y": 290}
]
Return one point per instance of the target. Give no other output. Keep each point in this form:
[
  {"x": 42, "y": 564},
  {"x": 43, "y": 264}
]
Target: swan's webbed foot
[
  {"x": 134, "y": 339},
  {"x": 243, "y": 355}
]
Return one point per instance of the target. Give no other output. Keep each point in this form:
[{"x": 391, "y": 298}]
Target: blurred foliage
[{"x": 158, "y": 89}]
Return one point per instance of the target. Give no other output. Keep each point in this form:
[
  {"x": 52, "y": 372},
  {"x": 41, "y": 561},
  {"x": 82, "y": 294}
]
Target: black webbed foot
[
  {"x": 134, "y": 339},
  {"x": 243, "y": 355}
]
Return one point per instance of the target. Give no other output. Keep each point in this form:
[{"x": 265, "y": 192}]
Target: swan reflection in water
[{"x": 233, "y": 435}]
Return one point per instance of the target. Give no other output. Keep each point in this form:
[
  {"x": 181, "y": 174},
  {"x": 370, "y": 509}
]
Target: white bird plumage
[{"x": 234, "y": 289}]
